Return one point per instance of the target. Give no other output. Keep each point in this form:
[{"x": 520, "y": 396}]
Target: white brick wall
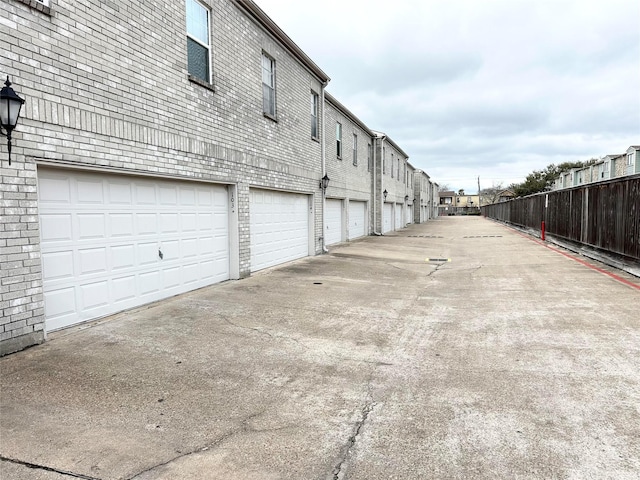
[{"x": 106, "y": 86}]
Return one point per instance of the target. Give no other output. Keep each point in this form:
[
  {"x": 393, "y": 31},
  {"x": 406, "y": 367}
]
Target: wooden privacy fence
[{"x": 603, "y": 215}]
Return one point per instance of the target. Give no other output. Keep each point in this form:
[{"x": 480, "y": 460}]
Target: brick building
[{"x": 165, "y": 146}]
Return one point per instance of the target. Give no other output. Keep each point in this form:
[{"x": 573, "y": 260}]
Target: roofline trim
[{"x": 260, "y": 17}]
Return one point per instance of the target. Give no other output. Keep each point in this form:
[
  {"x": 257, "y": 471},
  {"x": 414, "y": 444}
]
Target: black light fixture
[
  {"x": 406, "y": 198},
  {"x": 385, "y": 193},
  {"x": 10, "y": 105},
  {"x": 324, "y": 182}
]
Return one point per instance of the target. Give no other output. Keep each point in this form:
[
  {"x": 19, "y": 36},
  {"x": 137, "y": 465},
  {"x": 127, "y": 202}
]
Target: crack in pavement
[
  {"x": 243, "y": 428},
  {"x": 366, "y": 410},
  {"x": 47, "y": 469},
  {"x": 435, "y": 269}
]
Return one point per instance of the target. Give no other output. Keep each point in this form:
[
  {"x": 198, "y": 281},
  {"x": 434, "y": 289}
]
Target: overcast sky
[{"x": 488, "y": 88}]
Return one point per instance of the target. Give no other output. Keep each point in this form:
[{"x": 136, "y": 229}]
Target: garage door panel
[
  {"x": 357, "y": 219},
  {"x": 121, "y": 224},
  {"x": 123, "y": 288},
  {"x": 91, "y": 226},
  {"x": 104, "y": 252},
  {"x": 90, "y": 191},
  {"x": 56, "y": 227},
  {"x": 92, "y": 260},
  {"x": 54, "y": 189},
  {"x": 189, "y": 222},
  {"x": 387, "y": 211},
  {"x": 145, "y": 194},
  {"x": 279, "y": 227},
  {"x": 120, "y": 193},
  {"x": 149, "y": 282},
  {"x": 147, "y": 253},
  {"x": 60, "y": 302},
  {"x": 333, "y": 221},
  {"x": 122, "y": 256},
  {"x": 94, "y": 295},
  {"x": 57, "y": 265},
  {"x": 187, "y": 196}
]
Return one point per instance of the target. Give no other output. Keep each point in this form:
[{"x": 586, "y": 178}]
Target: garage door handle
[{"x": 160, "y": 254}]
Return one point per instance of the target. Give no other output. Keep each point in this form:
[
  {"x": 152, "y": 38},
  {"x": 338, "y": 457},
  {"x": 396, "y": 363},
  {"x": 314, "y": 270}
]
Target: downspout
[
  {"x": 324, "y": 165},
  {"x": 375, "y": 171},
  {"x": 375, "y": 180}
]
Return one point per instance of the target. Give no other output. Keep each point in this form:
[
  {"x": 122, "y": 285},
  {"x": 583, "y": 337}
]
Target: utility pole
[{"x": 479, "y": 197}]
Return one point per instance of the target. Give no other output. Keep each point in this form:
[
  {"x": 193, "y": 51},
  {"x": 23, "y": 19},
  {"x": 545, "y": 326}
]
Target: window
[
  {"x": 338, "y": 139},
  {"x": 268, "y": 85},
  {"x": 369, "y": 157},
  {"x": 630, "y": 159},
  {"x": 198, "y": 41},
  {"x": 314, "y": 115},
  {"x": 355, "y": 149},
  {"x": 384, "y": 164},
  {"x": 391, "y": 165},
  {"x": 398, "y": 171}
]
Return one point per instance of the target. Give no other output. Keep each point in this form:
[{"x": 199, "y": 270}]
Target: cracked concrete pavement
[{"x": 508, "y": 361}]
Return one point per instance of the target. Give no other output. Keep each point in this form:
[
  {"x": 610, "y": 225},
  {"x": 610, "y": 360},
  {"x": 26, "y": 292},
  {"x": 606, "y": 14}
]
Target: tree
[
  {"x": 542, "y": 180},
  {"x": 491, "y": 194},
  {"x": 444, "y": 188}
]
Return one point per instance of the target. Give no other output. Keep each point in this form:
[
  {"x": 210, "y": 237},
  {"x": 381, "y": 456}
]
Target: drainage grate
[{"x": 423, "y": 236}]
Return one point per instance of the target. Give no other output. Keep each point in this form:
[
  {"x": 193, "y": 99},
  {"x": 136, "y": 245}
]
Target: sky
[{"x": 493, "y": 89}]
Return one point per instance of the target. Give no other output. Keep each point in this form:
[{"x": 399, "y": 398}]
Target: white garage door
[
  {"x": 333, "y": 221},
  {"x": 357, "y": 219},
  {"x": 399, "y": 223},
  {"x": 409, "y": 214},
  {"x": 279, "y": 224},
  {"x": 112, "y": 242},
  {"x": 387, "y": 218}
]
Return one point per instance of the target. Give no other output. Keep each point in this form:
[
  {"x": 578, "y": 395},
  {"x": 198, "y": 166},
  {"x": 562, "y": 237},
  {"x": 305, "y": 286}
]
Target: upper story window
[
  {"x": 268, "y": 85},
  {"x": 398, "y": 171},
  {"x": 391, "y": 165},
  {"x": 369, "y": 157},
  {"x": 314, "y": 115},
  {"x": 355, "y": 149},
  {"x": 44, "y": 2},
  {"x": 338, "y": 139},
  {"x": 198, "y": 46},
  {"x": 630, "y": 159},
  {"x": 384, "y": 164}
]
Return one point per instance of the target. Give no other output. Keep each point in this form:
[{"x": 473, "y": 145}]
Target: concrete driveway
[{"x": 511, "y": 360}]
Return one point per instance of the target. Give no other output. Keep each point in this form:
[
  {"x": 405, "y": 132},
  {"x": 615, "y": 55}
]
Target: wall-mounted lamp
[
  {"x": 406, "y": 198},
  {"x": 324, "y": 182},
  {"x": 10, "y": 105},
  {"x": 385, "y": 193}
]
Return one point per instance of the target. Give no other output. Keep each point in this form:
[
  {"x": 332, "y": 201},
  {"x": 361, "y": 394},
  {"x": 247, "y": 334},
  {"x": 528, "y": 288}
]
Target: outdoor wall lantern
[
  {"x": 406, "y": 198},
  {"x": 324, "y": 182},
  {"x": 10, "y": 105},
  {"x": 385, "y": 193}
]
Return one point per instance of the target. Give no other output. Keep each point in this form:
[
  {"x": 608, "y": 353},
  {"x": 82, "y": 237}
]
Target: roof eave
[{"x": 260, "y": 17}]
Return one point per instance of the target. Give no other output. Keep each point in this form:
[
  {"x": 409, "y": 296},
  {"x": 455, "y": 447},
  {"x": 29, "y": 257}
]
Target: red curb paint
[{"x": 582, "y": 262}]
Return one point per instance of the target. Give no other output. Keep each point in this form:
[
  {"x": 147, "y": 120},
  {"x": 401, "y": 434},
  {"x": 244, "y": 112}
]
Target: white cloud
[{"x": 494, "y": 89}]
